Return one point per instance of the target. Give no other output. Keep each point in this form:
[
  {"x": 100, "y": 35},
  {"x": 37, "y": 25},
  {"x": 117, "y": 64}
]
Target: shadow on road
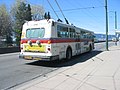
[{"x": 76, "y": 59}]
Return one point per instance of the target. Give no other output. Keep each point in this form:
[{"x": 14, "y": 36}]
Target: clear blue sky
[{"x": 90, "y": 18}]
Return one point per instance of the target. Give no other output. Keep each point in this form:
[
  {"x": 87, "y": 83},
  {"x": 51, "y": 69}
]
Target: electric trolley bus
[{"x": 51, "y": 40}]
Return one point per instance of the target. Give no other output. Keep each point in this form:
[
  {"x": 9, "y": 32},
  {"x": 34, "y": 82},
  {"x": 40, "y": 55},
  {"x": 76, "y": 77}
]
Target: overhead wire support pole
[
  {"x": 116, "y": 27},
  {"x": 53, "y": 9},
  {"x": 106, "y": 11},
  {"x": 115, "y": 20},
  {"x": 61, "y": 12}
]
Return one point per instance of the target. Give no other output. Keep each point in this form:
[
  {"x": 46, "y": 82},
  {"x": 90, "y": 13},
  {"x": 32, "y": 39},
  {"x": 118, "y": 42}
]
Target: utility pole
[
  {"x": 106, "y": 24},
  {"x": 115, "y": 20},
  {"x": 116, "y": 27}
]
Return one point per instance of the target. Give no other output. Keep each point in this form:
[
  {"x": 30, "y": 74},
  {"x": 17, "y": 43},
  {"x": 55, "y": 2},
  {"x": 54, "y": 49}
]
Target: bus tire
[
  {"x": 68, "y": 54},
  {"x": 90, "y": 48}
]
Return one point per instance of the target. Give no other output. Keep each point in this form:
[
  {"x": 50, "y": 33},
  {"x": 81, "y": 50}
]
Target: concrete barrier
[{"x": 9, "y": 50}]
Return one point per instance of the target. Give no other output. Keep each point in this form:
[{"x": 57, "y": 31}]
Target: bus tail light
[
  {"x": 49, "y": 42},
  {"x": 21, "y": 47},
  {"x": 21, "y": 42}
]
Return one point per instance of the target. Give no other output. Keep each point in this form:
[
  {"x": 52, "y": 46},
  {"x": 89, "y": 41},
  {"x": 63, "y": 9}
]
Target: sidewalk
[{"x": 101, "y": 72}]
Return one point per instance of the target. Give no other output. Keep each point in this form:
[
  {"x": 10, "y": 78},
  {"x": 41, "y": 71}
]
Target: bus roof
[{"x": 29, "y": 23}]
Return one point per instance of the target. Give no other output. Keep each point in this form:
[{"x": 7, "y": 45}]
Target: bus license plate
[
  {"x": 35, "y": 48},
  {"x": 27, "y": 57},
  {"x": 37, "y": 58}
]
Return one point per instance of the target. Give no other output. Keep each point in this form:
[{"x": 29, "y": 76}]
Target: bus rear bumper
[{"x": 35, "y": 57}]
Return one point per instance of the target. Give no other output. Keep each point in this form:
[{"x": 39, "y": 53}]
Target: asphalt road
[{"x": 15, "y": 71}]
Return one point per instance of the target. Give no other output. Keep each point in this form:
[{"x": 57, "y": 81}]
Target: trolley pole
[{"x": 106, "y": 24}]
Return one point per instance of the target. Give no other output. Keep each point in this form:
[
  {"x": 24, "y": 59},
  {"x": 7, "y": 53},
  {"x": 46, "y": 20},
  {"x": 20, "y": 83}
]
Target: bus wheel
[
  {"x": 69, "y": 54},
  {"x": 90, "y": 48}
]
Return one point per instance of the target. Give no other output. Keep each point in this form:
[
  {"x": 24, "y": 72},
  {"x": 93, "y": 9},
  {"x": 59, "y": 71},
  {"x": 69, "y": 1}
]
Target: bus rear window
[{"x": 35, "y": 33}]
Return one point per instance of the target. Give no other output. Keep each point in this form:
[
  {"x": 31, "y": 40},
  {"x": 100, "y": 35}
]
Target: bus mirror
[{"x": 53, "y": 23}]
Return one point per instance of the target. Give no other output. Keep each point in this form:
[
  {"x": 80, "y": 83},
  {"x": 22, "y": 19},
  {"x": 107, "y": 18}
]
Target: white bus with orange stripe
[{"x": 51, "y": 40}]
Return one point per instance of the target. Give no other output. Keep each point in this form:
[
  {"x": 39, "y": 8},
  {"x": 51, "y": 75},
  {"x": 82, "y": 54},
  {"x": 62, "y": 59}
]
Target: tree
[
  {"x": 9, "y": 40},
  {"x": 21, "y": 12},
  {"x": 28, "y": 13},
  {"x": 5, "y": 24},
  {"x": 37, "y": 12}
]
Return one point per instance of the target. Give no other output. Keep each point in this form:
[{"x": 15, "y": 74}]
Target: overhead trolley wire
[
  {"x": 91, "y": 14},
  {"x": 52, "y": 9},
  {"x": 87, "y": 12},
  {"x": 61, "y": 12},
  {"x": 81, "y": 8}
]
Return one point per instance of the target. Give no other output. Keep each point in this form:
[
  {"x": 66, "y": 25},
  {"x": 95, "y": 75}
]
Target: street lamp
[
  {"x": 115, "y": 18},
  {"x": 115, "y": 24},
  {"x": 106, "y": 25}
]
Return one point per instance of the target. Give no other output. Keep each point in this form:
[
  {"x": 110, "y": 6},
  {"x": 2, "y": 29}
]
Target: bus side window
[
  {"x": 66, "y": 34},
  {"x": 62, "y": 31},
  {"x": 82, "y": 34},
  {"x": 78, "y": 35},
  {"x": 58, "y": 31},
  {"x": 65, "y": 30},
  {"x": 72, "y": 32},
  {"x": 59, "y": 35}
]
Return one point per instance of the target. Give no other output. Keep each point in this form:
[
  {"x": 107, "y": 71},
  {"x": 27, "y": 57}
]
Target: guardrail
[
  {"x": 9, "y": 50},
  {"x": 101, "y": 41}
]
